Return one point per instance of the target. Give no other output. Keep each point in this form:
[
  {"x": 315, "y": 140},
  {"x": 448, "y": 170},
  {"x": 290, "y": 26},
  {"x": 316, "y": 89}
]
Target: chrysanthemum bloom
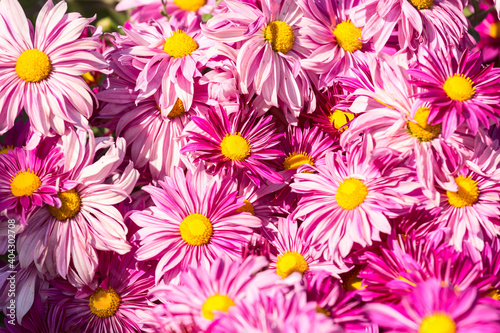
[
  {"x": 275, "y": 312},
  {"x": 459, "y": 89},
  {"x": 433, "y": 308},
  {"x": 168, "y": 59},
  {"x": 63, "y": 240},
  {"x": 472, "y": 213},
  {"x": 152, "y": 135},
  {"x": 41, "y": 70},
  {"x": 29, "y": 179},
  {"x": 291, "y": 253},
  {"x": 193, "y": 222},
  {"x": 345, "y": 307},
  {"x": 335, "y": 40},
  {"x": 432, "y": 23},
  {"x": 205, "y": 293},
  {"x": 182, "y": 10},
  {"x": 239, "y": 142},
  {"x": 350, "y": 199},
  {"x": 402, "y": 263},
  {"x": 490, "y": 260},
  {"x": 112, "y": 303},
  {"x": 489, "y": 31},
  {"x": 387, "y": 110},
  {"x": 270, "y": 51}
]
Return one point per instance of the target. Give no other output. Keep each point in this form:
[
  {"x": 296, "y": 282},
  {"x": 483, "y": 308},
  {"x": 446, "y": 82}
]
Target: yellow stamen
[
  {"x": 70, "y": 205},
  {"x": 296, "y": 159},
  {"x": 422, "y": 4},
  {"x": 177, "y": 110},
  {"x": 180, "y": 44},
  {"x": 196, "y": 229},
  {"x": 421, "y": 129},
  {"x": 280, "y": 35},
  {"x": 495, "y": 30},
  {"x": 25, "y": 183},
  {"x": 467, "y": 195},
  {"x": 290, "y": 262},
  {"x": 104, "y": 303},
  {"x": 33, "y": 66},
  {"x": 246, "y": 208},
  {"x": 235, "y": 147},
  {"x": 348, "y": 36},
  {"x": 216, "y": 303},
  {"x": 438, "y": 323},
  {"x": 459, "y": 87},
  {"x": 191, "y": 5},
  {"x": 339, "y": 119},
  {"x": 5, "y": 149},
  {"x": 351, "y": 193}
]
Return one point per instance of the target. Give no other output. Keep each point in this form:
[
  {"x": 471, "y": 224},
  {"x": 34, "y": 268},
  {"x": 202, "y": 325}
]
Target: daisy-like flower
[
  {"x": 350, "y": 199},
  {"x": 336, "y": 41},
  {"x": 459, "y": 89},
  {"x": 168, "y": 59},
  {"x": 387, "y": 110},
  {"x": 194, "y": 221},
  {"x": 291, "y": 253},
  {"x": 270, "y": 51},
  {"x": 29, "y": 179},
  {"x": 276, "y": 312},
  {"x": 472, "y": 213},
  {"x": 41, "y": 70},
  {"x": 205, "y": 293},
  {"x": 433, "y": 308},
  {"x": 432, "y": 23},
  {"x": 114, "y": 302},
  {"x": 489, "y": 31},
  {"x": 239, "y": 142},
  {"x": 152, "y": 135},
  {"x": 62, "y": 240}
]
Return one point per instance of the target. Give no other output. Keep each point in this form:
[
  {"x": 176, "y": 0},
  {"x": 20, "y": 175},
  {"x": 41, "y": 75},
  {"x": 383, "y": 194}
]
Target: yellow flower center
[
  {"x": 180, "y": 44},
  {"x": 348, "y": 36},
  {"x": 296, "y": 159},
  {"x": 5, "y": 149},
  {"x": 33, "y": 66},
  {"x": 339, "y": 119},
  {"x": 495, "y": 30},
  {"x": 290, "y": 262},
  {"x": 280, "y": 35},
  {"x": 438, "y": 323},
  {"x": 323, "y": 311},
  {"x": 216, "y": 303},
  {"x": 104, "y": 303},
  {"x": 467, "y": 194},
  {"x": 192, "y": 5},
  {"x": 459, "y": 87},
  {"x": 235, "y": 147},
  {"x": 196, "y": 229},
  {"x": 407, "y": 281},
  {"x": 177, "y": 110},
  {"x": 25, "y": 184},
  {"x": 422, "y": 4},
  {"x": 351, "y": 193},
  {"x": 493, "y": 293},
  {"x": 351, "y": 281},
  {"x": 421, "y": 129},
  {"x": 246, "y": 208},
  {"x": 70, "y": 205}
]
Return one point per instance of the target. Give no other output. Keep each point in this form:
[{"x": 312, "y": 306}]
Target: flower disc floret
[
  {"x": 246, "y": 208},
  {"x": 296, "y": 159},
  {"x": 191, "y": 5},
  {"x": 25, "y": 184},
  {"x": 459, "y": 87},
  {"x": 348, "y": 36},
  {"x": 70, "y": 206},
  {"x": 33, "y": 66},
  {"x": 235, "y": 147},
  {"x": 467, "y": 195},
  {"x": 104, "y": 303},
  {"x": 280, "y": 35},
  {"x": 421, "y": 128},
  {"x": 495, "y": 30},
  {"x": 422, "y": 4},
  {"x": 180, "y": 44},
  {"x": 438, "y": 323},
  {"x": 290, "y": 262},
  {"x": 351, "y": 193},
  {"x": 196, "y": 229},
  {"x": 216, "y": 303},
  {"x": 178, "y": 109}
]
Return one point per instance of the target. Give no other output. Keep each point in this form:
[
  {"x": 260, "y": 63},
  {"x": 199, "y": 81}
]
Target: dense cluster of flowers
[{"x": 246, "y": 166}]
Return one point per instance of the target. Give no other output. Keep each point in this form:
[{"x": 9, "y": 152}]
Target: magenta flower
[
  {"x": 351, "y": 199},
  {"x": 203, "y": 294},
  {"x": 193, "y": 222},
  {"x": 29, "y": 179},
  {"x": 240, "y": 142},
  {"x": 63, "y": 240},
  {"x": 434, "y": 308},
  {"x": 41, "y": 70},
  {"x": 270, "y": 50},
  {"x": 335, "y": 40},
  {"x": 459, "y": 89}
]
